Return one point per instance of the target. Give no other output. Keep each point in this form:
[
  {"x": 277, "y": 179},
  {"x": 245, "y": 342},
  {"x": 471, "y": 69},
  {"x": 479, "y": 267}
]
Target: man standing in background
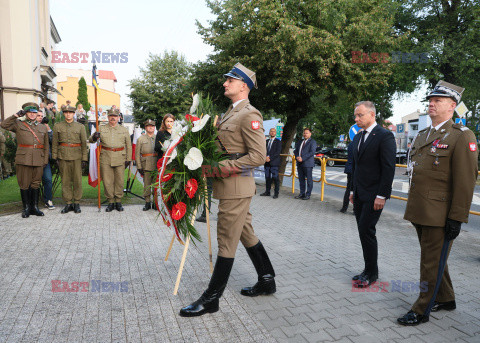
[
  {"x": 305, "y": 156},
  {"x": 274, "y": 147},
  {"x": 146, "y": 159}
]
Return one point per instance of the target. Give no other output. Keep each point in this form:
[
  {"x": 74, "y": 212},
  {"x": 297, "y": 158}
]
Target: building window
[{"x": 415, "y": 127}]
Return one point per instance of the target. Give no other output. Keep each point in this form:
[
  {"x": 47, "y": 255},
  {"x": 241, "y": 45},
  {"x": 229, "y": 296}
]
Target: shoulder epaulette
[{"x": 459, "y": 126}]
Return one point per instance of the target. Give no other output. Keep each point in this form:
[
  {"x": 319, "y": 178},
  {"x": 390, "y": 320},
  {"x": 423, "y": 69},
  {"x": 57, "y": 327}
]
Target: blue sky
[{"x": 142, "y": 26}]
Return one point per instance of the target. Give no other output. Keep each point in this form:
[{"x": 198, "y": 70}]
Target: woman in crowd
[{"x": 164, "y": 133}]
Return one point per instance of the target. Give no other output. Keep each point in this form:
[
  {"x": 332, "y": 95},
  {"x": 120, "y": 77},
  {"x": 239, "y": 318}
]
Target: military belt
[
  {"x": 73, "y": 145},
  {"x": 146, "y": 155},
  {"x": 234, "y": 156},
  {"x": 113, "y": 149},
  {"x": 35, "y": 146}
]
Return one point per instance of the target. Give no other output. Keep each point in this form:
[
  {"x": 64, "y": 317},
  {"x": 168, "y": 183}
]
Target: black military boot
[
  {"x": 24, "y": 193},
  {"x": 266, "y": 274},
  {"x": 110, "y": 207},
  {"x": 147, "y": 206},
  {"x": 76, "y": 208},
  {"x": 268, "y": 182},
  {"x": 118, "y": 206},
  {"x": 277, "y": 187},
  {"x": 208, "y": 302},
  {"x": 67, "y": 208},
  {"x": 34, "y": 195}
]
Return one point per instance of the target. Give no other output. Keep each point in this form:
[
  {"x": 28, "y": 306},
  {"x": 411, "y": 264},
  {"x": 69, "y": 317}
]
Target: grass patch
[{"x": 10, "y": 200}]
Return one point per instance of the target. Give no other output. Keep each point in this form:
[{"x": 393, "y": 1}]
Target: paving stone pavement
[{"x": 315, "y": 251}]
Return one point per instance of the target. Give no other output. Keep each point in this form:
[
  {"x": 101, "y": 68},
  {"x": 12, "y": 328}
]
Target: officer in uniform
[
  {"x": 32, "y": 155},
  {"x": 443, "y": 170},
  {"x": 69, "y": 148},
  {"x": 146, "y": 159},
  {"x": 115, "y": 156},
  {"x": 242, "y": 139}
]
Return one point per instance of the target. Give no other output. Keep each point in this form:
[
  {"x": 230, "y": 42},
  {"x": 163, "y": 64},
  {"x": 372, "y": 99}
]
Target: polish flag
[
  {"x": 92, "y": 168},
  {"x": 137, "y": 132}
]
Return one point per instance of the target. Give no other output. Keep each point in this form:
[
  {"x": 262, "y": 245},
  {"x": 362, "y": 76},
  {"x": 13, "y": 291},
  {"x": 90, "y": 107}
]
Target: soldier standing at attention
[
  {"x": 443, "y": 170},
  {"x": 146, "y": 159},
  {"x": 241, "y": 137},
  {"x": 69, "y": 149},
  {"x": 115, "y": 156},
  {"x": 31, "y": 157}
]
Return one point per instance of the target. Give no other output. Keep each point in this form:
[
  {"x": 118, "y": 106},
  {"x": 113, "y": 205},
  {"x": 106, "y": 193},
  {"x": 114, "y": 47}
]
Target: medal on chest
[{"x": 434, "y": 145}]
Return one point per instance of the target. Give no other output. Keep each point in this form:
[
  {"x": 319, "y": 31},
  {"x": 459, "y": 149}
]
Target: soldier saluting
[
  {"x": 32, "y": 155},
  {"x": 444, "y": 161},
  {"x": 240, "y": 131},
  {"x": 146, "y": 159},
  {"x": 115, "y": 155},
  {"x": 69, "y": 148}
]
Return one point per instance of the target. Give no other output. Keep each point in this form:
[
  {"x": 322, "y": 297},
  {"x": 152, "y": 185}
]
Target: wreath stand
[{"x": 187, "y": 243}]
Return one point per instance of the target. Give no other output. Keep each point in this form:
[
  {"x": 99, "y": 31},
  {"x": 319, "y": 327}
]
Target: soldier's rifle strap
[{"x": 33, "y": 133}]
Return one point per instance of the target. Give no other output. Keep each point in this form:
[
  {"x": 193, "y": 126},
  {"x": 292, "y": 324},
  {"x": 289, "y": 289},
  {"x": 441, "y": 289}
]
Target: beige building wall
[
  {"x": 27, "y": 36},
  {"x": 63, "y": 73},
  {"x": 69, "y": 90}
]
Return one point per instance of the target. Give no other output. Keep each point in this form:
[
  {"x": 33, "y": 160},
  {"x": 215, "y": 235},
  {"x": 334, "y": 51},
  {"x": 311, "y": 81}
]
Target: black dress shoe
[
  {"x": 300, "y": 196},
  {"x": 67, "y": 208},
  {"x": 275, "y": 196},
  {"x": 118, "y": 206},
  {"x": 412, "y": 319},
  {"x": 76, "y": 208},
  {"x": 306, "y": 197},
  {"x": 447, "y": 306},
  {"x": 147, "y": 206},
  {"x": 202, "y": 219},
  {"x": 356, "y": 277},
  {"x": 343, "y": 210},
  {"x": 265, "y": 194},
  {"x": 110, "y": 207},
  {"x": 365, "y": 280}
]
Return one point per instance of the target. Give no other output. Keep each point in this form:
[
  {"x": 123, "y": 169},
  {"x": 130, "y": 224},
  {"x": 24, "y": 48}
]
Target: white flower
[
  {"x": 166, "y": 144},
  {"x": 177, "y": 131},
  {"x": 196, "y": 101},
  {"x": 172, "y": 156},
  {"x": 199, "y": 124},
  {"x": 194, "y": 159}
]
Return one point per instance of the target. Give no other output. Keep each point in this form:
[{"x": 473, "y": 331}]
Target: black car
[{"x": 341, "y": 153}]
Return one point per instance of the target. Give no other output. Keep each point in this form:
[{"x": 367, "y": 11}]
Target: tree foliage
[
  {"x": 161, "y": 88},
  {"x": 82, "y": 96}
]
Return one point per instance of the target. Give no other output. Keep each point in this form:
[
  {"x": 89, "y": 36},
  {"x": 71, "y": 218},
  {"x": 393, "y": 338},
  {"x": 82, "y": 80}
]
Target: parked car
[
  {"x": 401, "y": 157},
  {"x": 341, "y": 153}
]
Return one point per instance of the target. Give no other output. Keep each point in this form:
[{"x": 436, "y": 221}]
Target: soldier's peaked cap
[
  {"x": 240, "y": 72},
  {"x": 149, "y": 122},
  {"x": 69, "y": 109},
  {"x": 447, "y": 90},
  {"x": 112, "y": 112},
  {"x": 30, "y": 107}
]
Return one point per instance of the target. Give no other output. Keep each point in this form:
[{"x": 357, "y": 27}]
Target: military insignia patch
[
  {"x": 255, "y": 124},
  {"x": 473, "y": 146},
  {"x": 442, "y": 146}
]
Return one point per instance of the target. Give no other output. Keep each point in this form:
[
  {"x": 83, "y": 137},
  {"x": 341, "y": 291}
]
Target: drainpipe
[{"x": 2, "y": 105}]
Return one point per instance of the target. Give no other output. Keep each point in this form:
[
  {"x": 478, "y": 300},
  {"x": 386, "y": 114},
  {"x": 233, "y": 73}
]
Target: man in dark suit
[
  {"x": 274, "y": 146},
  {"x": 373, "y": 169},
  {"x": 304, "y": 154}
]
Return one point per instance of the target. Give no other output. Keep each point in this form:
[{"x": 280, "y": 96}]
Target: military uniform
[
  {"x": 69, "y": 147},
  {"x": 116, "y": 149},
  {"x": 241, "y": 138},
  {"x": 146, "y": 159},
  {"x": 31, "y": 156},
  {"x": 443, "y": 167}
]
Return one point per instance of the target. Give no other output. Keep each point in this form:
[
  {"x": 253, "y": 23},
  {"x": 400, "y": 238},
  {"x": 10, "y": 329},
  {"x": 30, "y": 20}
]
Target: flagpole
[{"x": 98, "y": 143}]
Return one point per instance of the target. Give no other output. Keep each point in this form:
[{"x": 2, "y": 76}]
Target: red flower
[
  {"x": 178, "y": 210},
  {"x": 191, "y": 118},
  {"x": 167, "y": 177},
  {"x": 159, "y": 163},
  {"x": 191, "y": 187}
]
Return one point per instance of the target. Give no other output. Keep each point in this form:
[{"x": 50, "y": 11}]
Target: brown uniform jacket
[
  {"x": 69, "y": 133},
  {"x": 145, "y": 145},
  {"x": 443, "y": 178},
  {"x": 29, "y": 156},
  {"x": 114, "y": 137},
  {"x": 241, "y": 131}
]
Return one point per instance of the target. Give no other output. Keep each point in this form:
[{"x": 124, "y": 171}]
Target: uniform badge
[
  {"x": 255, "y": 124},
  {"x": 436, "y": 162},
  {"x": 442, "y": 146},
  {"x": 473, "y": 146}
]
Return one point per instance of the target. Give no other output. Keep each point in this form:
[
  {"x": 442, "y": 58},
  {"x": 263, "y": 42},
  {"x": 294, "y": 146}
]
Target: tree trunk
[{"x": 289, "y": 131}]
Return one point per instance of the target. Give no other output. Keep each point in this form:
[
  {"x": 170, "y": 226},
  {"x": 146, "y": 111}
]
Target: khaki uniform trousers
[
  {"x": 29, "y": 176},
  {"x": 71, "y": 172},
  {"x": 147, "y": 185},
  {"x": 234, "y": 224},
  {"x": 112, "y": 178},
  {"x": 431, "y": 242},
  {"x": 7, "y": 166}
]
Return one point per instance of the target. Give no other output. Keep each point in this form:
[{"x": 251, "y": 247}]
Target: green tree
[
  {"x": 161, "y": 88},
  {"x": 82, "y": 96},
  {"x": 302, "y": 50}
]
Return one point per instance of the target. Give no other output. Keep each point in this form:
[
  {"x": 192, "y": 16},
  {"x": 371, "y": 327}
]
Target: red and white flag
[
  {"x": 93, "y": 166},
  {"x": 137, "y": 132}
]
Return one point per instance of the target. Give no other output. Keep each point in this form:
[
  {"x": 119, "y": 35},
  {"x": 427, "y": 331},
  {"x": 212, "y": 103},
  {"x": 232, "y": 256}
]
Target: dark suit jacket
[
  {"x": 274, "y": 153},
  {"x": 348, "y": 165},
  {"x": 308, "y": 153},
  {"x": 373, "y": 167}
]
